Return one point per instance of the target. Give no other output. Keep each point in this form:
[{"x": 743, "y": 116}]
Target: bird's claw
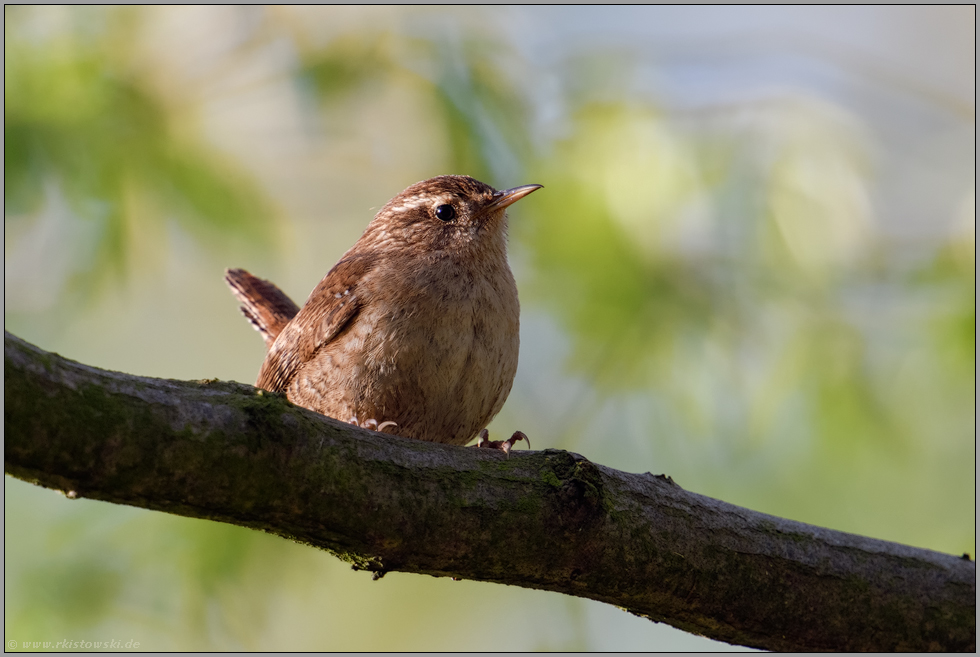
[
  {"x": 373, "y": 425},
  {"x": 483, "y": 440}
]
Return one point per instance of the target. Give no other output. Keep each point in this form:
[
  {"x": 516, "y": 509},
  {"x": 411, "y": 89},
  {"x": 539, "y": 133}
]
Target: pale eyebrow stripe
[{"x": 411, "y": 205}]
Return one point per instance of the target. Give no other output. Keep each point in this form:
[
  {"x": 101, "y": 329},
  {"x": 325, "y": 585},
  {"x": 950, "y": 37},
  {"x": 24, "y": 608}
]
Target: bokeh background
[{"x": 752, "y": 268}]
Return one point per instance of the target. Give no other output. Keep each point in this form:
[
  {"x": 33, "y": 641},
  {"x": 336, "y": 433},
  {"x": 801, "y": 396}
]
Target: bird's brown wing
[
  {"x": 263, "y": 304},
  {"x": 332, "y": 307}
]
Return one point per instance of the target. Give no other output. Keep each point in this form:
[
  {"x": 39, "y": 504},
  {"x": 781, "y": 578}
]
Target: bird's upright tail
[{"x": 263, "y": 304}]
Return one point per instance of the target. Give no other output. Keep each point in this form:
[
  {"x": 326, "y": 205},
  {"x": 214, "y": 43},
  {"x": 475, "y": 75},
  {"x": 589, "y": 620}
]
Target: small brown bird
[{"x": 415, "y": 331}]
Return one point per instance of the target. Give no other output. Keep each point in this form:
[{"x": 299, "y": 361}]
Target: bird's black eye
[{"x": 446, "y": 212}]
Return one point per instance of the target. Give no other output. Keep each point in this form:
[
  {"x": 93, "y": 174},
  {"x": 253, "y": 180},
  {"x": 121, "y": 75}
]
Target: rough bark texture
[{"x": 548, "y": 520}]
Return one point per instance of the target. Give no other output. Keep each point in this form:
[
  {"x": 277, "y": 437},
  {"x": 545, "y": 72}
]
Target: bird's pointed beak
[{"x": 507, "y": 197}]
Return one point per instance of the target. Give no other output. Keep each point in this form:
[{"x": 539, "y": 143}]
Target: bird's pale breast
[{"x": 435, "y": 352}]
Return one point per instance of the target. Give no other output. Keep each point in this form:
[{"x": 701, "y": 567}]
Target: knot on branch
[{"x": 581, "y": 497}]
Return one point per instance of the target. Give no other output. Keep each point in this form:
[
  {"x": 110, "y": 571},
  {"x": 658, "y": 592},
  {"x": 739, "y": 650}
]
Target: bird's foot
[
  {"x": 373, "y": 425},
  {"x": 483, "y": 440}
]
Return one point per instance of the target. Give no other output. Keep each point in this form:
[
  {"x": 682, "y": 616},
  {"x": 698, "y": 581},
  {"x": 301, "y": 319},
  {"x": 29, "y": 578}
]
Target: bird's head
[{"x": 446, "y": 213}]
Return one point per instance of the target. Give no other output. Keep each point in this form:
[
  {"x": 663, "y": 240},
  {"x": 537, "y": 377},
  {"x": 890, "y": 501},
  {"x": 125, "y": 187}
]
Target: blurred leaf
[
  {"x": 215, "y": 562},
  {"x": 77, "y": 113},
  {"x": 629, "y": 307},
  {"x": 847, "y": 407},
  {"x": 345, "y": 65},
  {"x": 471, "y": 81},
  {"x": 951, "y": 274},
  {"x": 74, "y": 593},
  {"x": 816, "y": 189}
]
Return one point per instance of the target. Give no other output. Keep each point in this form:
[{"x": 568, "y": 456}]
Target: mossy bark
[{"x": 549, "y": 520}]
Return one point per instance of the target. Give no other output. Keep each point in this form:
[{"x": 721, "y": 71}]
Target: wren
[{"x": 415, "y": 331}]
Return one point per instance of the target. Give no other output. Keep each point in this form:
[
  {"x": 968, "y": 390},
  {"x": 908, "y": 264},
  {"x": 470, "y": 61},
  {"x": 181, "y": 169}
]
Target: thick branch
[{"x": 549, "y": 520}]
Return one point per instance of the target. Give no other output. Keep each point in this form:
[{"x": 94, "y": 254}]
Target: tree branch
[{"x": 549, "y": 520}]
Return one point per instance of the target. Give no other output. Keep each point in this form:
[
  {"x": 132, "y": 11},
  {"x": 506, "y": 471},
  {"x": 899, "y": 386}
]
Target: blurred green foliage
[
  {"x": 78, "y": 114},
  {"x": 661, "y": 275},
  {"x": 477, "y": 104},
  {"x": 725, "y": 291}
]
